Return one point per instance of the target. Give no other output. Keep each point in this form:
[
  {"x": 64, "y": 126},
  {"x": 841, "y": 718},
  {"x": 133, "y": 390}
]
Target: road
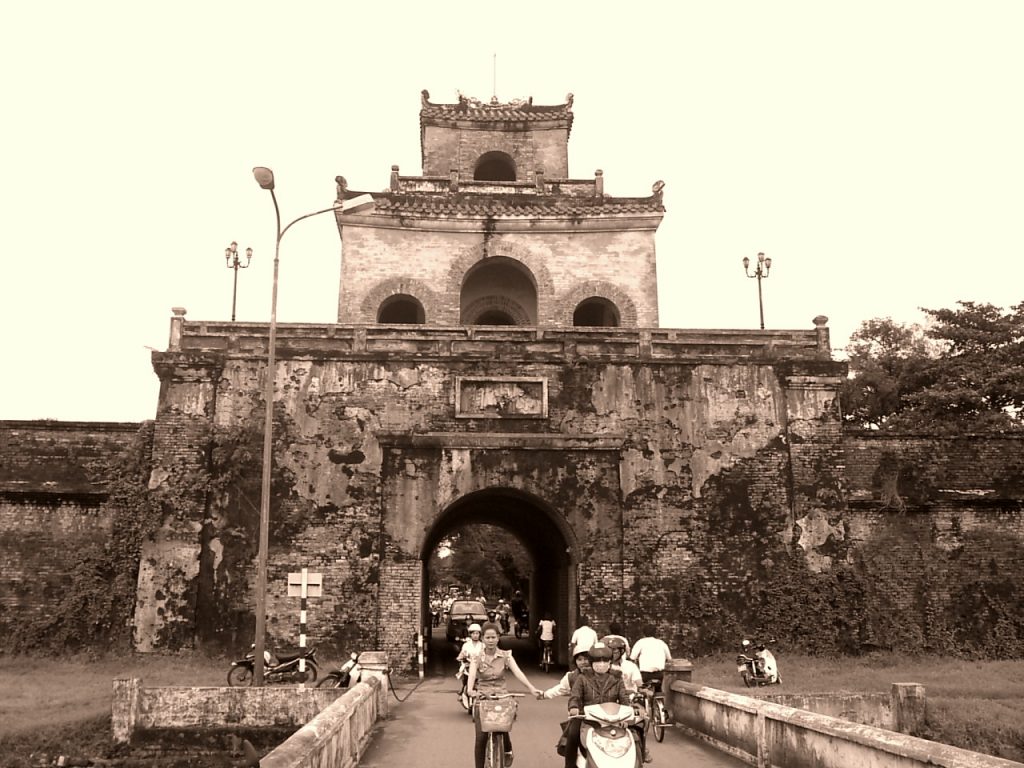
[{"x": 430, "y": 730}]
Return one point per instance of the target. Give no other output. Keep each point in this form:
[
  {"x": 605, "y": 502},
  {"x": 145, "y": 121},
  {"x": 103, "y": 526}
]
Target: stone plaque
[{"x": 501, "y": 397}]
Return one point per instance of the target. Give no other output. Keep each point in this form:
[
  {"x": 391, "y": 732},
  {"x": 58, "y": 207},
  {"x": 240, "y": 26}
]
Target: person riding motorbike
[
  {"x": 632, "y": 679},
  {"x": 519, "y": 612},
  {"x": 473, "y": 646},
  {"x": 597, "y": 686}
]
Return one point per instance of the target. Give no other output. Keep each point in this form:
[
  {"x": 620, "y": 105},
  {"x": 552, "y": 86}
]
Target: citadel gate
[{"x": 496, "y": 360}]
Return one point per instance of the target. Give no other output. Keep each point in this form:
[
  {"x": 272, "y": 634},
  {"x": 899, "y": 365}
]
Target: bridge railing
[{"x": 765, "y": 734}]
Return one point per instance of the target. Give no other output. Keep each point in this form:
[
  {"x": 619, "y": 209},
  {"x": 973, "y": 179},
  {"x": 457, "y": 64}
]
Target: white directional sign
[{"x": 305, "y": 584}]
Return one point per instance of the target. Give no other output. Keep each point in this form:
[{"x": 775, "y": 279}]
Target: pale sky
[{"x": 875, "y": 150}]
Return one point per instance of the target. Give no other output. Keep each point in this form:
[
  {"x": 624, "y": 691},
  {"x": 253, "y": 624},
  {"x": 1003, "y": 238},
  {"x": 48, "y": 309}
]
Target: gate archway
[{"x": 543, "y": 534}]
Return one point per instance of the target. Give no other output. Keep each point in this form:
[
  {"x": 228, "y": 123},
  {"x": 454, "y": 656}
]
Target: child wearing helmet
[
  {"x": 473, "y": 646},
  {"x": 580, "y": 663}
]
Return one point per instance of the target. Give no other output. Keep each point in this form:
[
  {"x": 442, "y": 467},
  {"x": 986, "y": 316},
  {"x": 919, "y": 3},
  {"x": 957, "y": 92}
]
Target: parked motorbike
[
  {"x": 343, "y": 676},
  {"x": 606, "y": 740},
  {"x": 757, "y": 665},
  {"x": 277, "y": 668}
]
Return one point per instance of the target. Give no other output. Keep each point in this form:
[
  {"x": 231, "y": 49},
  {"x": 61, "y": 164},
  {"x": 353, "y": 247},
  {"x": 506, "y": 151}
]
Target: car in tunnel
[{"x": 461, "y": 615}]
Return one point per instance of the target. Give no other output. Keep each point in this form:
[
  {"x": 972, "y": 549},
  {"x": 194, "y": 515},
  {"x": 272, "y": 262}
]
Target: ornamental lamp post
[
  {"x": 265, "y": 178},
  {"x": 233, "y": 262},
  {"x": 761, "y": 272}
]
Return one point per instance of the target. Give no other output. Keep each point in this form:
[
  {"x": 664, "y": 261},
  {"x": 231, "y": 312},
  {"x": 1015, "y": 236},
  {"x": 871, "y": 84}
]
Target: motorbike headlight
[{"x": 614, "y": 744}]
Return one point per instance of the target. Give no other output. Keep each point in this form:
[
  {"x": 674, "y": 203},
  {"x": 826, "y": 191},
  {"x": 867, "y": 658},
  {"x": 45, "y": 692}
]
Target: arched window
[
  {"x": 498, "y": 291},
  {"x": 495, "y": 166},
  {"x": 399, "y": 309},
  {"x": 596, "y": 312}
]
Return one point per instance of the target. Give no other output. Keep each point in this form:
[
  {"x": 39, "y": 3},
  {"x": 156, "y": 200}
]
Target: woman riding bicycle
[{"x": 487, "y": 675}]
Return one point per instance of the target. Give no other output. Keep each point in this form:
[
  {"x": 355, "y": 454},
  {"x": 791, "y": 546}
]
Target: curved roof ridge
[{"x": 472, "y": 108}]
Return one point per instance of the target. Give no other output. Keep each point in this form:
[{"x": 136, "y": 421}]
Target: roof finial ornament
[
  {"x": 568, "y": 100},
  {"x": 342, "y": 186},
  {"x": 425, "y": 96},
  {"x": 657, "y": 187}
]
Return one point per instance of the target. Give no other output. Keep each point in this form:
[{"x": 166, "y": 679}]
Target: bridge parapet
[{"x": 764, "y": 733}]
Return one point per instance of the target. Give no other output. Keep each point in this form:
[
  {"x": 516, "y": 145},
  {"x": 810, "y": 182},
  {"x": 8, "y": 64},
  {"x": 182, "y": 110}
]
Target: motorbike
[
  {"x": 522, "y": 622},
  {"x": 343, "y": 676},
  {"x": 757, "y": 665},
  {"x": 278, "y": 668},
  {"x": 606, "y": 740}
]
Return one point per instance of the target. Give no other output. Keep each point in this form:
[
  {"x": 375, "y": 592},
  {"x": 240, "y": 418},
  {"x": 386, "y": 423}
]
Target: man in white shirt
[
  {"x": 583, "y": 638},
  {"x": 651, "y": 655}
]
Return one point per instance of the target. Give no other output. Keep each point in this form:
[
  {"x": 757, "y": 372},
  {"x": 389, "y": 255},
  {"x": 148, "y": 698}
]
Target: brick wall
[{"x": 52, "y": 503}]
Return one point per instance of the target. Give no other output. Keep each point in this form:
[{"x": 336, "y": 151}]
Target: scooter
[
  {"x": 757, "y": 665},
  {"x": 280, "y": 668},
  {"x": 606, "y": 740},
  {"x": 343, "y": 676}
]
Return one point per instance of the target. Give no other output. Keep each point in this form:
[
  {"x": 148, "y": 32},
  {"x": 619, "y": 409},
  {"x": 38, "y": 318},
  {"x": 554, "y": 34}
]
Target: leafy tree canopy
[{"x": 963, "y": 372}]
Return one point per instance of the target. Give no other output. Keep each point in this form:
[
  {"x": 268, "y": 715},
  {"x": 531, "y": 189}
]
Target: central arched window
[
  {"x": 498, "y": 291},
  {"x": 495, "y": 166}
]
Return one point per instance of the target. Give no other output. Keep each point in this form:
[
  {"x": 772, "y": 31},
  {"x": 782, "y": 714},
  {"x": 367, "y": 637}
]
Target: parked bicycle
[{"x": 496, "y": 715}]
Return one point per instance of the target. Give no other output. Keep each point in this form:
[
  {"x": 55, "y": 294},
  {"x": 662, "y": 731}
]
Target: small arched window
[
  {"x": 596, "y": 312},
  {"x": 495, "y": 166},
  {"x": 401, "y": 309}
]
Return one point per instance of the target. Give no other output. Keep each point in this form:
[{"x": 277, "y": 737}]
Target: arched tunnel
[{"x": 548, "y": 542}]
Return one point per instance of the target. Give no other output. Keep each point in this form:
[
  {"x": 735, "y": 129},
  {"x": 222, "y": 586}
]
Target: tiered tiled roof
[
  {"x": 513, "y": 206},
  {"x": 477, "y": 111}
]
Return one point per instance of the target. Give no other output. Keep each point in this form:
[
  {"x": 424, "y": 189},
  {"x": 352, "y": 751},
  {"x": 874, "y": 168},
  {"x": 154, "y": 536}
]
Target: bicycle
[
  {"x": 495, "y": 720},
  {"x": 545, "y": 657},
  {"x": 654, "y": 708}
]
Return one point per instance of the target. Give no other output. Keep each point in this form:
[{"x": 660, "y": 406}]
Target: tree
[
  {"x": 888, "y": 362},
  {"x": 978, "y": 381},
  {"x": 963, "y": 373}
]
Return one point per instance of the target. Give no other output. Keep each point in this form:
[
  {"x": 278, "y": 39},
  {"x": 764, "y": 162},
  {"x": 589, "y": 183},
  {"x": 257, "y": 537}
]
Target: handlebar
[{"x": 478, "y": 695}]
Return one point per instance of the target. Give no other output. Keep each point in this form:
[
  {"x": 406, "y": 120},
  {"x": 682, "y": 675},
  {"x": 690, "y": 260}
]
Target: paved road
[{"x": 430, "y": 730}]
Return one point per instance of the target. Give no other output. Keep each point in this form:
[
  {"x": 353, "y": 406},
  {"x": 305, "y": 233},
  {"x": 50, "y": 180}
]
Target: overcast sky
[{"x": 875, "y": 150}]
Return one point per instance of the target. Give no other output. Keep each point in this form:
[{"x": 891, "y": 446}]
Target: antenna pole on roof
[{"x": 494, "y": 79}]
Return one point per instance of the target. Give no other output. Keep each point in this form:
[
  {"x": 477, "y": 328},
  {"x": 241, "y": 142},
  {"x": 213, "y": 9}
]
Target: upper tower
[
  {"x": 495, "y": 232},
  {"x": 495, "y": 142}
]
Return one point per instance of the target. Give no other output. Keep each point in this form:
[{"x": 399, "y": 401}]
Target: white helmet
[{"x": 474, "y": 628}]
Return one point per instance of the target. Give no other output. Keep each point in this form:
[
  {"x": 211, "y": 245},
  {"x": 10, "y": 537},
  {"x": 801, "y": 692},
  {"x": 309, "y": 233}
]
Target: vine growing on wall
[{"x": 97, "y": 597}]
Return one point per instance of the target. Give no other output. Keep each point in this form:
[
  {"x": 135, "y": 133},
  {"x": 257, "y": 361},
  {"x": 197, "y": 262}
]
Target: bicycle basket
[{"x": 497, "y": 714}]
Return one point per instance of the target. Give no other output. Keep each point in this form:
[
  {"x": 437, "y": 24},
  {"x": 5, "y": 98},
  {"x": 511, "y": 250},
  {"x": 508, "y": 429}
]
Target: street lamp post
[
  {"x": 760, "y": 272},
  {"x": 265, "y": 178},
  {"x": 233, "y": 262}
]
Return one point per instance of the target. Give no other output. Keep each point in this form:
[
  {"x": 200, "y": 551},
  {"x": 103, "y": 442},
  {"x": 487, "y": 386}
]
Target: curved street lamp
[
  {"x": 761, "y": 272},
  {"x": 265, "y": 178}
]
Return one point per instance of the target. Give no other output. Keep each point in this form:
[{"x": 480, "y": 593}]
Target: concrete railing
[
  {"x": 338, "y": 736},
  {"x": 333, "y": 727},
  {"x": 767, "y": 734}
]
